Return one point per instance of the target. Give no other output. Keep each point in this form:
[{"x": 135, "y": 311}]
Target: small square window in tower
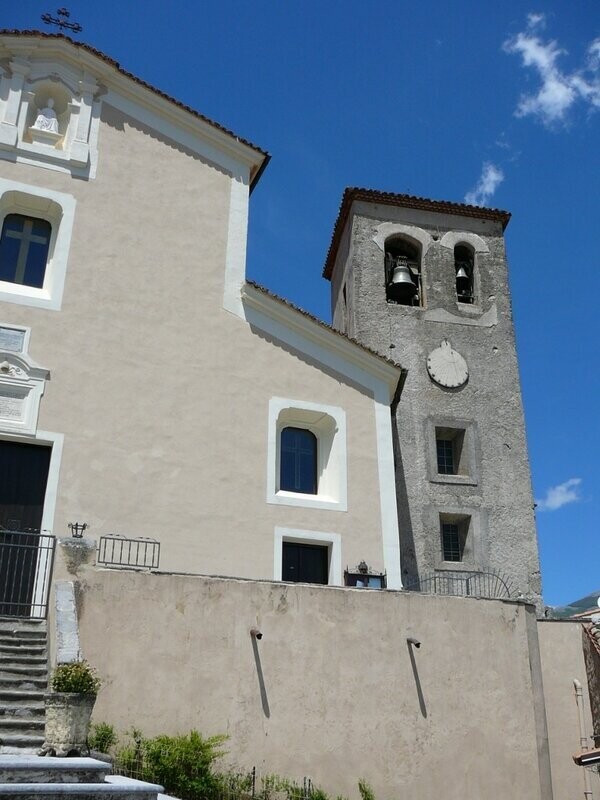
[
  {"x": 298, "y": 461},
  {"x": 449, "y": 451},
  {"x": 24, "y": 246},
  {"x": 305, "y": 563},
  {"x": 403, "y": 273},
  {"x": 464, "y": 266},
  {"x": 454, "y": 533}
]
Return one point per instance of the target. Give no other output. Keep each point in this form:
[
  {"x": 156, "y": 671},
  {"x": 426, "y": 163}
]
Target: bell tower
[{"x": 425, "y": 283}]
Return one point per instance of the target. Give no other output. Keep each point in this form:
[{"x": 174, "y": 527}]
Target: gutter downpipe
[{"x": 583, "y": 740}]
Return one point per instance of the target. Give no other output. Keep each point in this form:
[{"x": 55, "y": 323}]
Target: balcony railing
[
  {"x": 491, "y": 585},
  {"x": 118, "y": 551}
]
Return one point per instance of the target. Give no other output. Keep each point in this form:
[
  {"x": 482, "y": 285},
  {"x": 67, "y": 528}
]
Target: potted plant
[{"x": 69, "y": 709}]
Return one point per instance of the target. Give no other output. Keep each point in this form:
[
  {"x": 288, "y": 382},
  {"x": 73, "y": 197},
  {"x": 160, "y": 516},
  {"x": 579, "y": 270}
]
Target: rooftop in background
[
  {"x": 354, "y": 193},
  {"x": 255, "y": 175}
]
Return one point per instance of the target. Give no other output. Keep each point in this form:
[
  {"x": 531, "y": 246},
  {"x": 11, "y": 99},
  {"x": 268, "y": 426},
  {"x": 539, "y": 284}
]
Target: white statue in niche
[{"x": 46, "y": 119}]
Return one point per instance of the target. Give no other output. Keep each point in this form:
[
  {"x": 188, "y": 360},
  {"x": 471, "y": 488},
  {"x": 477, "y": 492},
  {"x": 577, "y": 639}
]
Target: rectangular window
[
  {"x": 24, "y": 246},
  {"x": 451, "y": 545},
  {"x": 451, "y": 458},
  {"x": 305, "y": 563},
  {"x": 298, "y": 461}
]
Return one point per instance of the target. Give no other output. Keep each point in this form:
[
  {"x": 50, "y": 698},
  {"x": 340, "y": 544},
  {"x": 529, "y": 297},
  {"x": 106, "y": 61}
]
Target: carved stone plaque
[
  {"x": 11, "y": 405},
  {"x": 11, "y": 340}
]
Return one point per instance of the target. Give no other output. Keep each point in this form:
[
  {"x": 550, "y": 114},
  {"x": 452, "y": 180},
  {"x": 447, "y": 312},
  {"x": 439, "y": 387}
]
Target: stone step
[
  {"x": 21, "y": 636},
  {"x": 23, "y": 769},
  {"x": 22, "y": 682},
  {"x": 15, "y": 724},
  {"x": 21, "y": 710},
  {"x": 82, "y": 791},
  {"x": 23, "y": 668},
  {"x": 18, "y": 695},
  {"x": 21, "y": 739},
  {"x": 23, "y": 651},
  {"x": 12, "y": 624}
]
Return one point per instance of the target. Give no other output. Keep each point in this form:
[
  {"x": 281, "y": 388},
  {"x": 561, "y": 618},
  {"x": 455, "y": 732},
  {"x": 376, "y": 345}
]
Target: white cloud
[
  {"x": 559, "y": 90},
  {"x": 491, "y": 177},
  {"x": 561, "y": 495}
]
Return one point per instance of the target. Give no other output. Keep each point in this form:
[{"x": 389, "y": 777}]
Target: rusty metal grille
[{"x": 118, "y": 551}]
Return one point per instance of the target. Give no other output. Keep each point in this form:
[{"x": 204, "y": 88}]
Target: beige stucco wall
[
  {"x": 341, "y": 697},
  {"x": 563, "y": 662},
  {"x": 162, "y": 396}
]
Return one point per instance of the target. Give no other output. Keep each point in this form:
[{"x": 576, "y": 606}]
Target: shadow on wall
[
  {"x": 408, "y": 560},
  {"x": 411, "y": 644},
  {"x": 255, "y": 635}
]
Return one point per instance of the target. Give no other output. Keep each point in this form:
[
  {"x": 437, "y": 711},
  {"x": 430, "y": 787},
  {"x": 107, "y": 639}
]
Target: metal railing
[
  {"x": 26, "y": 561},
  {"x": 490, "y": 585},
  {"x": 118, "y": 551}
]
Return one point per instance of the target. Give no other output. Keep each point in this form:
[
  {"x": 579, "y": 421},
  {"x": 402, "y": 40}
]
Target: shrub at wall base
[{"x": 69, "y": 709}]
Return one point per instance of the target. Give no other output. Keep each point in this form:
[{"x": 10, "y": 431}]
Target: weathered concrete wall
[
  {"x": 332, "y": 690},
  {"x": 499, "y": 500},
  {"x": 563, "y": 662},
  {"x": 592, "y": 663},
  {"x": 162, "y": 396}
]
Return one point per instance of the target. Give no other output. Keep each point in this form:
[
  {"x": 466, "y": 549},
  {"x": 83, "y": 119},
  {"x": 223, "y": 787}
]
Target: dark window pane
[
  {"x": 445, "y": 456},
  {"x": 24, "y": 246},
  {"x": 298, "y": 461},
  {"x": 305, "y": 563},
  {"x": 451, "y": 542}
]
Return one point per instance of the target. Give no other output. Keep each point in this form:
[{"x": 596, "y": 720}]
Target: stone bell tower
[{"x": 425, "y": 283}]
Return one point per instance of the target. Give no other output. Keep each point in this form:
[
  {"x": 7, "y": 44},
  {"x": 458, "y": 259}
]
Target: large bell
[
  {"x": 463, "y": 281},
  {"x": 402, "y": 287}
]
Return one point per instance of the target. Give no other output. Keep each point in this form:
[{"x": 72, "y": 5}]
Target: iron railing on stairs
[{"x": 26, "y": 561}]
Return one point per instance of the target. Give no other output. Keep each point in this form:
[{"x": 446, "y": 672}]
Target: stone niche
[{"x": 49, "y": 113}]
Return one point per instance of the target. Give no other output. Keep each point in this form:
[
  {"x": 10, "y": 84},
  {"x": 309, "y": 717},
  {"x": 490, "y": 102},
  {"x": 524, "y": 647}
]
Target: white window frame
[
  {"x": 58, "y": 208},
  {"x": 333, "y": 541},
  {"x": 328, "y": 423}
]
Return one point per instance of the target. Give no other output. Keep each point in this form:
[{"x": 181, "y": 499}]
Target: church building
[{"x": 191, "y": 460}]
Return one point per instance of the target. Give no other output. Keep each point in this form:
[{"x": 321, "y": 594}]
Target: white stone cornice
[{"x": 368, "y": 364}]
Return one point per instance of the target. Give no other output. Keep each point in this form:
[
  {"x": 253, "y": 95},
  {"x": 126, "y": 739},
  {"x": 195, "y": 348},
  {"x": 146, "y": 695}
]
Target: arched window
[
  {"x": 298, "y": 461},
  {"x": 403, "y": 273},
  {"x": 464, "y": 266},
  {"x": 24, "y": 246}
]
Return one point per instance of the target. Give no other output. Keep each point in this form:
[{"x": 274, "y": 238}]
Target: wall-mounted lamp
[
  {"x": 413, "y": 641},
  {"x": 255, "y": 633},
  {"x": 77, "y": 529}
]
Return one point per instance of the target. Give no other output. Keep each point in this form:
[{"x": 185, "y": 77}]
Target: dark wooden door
[
  {"x": 305, "y": 563},
  {"x": 23, "y": 479}
]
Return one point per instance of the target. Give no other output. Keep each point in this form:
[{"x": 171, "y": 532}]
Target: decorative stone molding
[
  {"x": 452, "y": 238},
  {"x": 388, "y": 229},
  {"x": 48, "y": 115},
  {"x": 22, "y": 384}
]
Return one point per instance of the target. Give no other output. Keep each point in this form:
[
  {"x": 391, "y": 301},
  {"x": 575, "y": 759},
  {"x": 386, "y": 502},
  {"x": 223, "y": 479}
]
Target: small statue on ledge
[{"x": 46, "y": 119}]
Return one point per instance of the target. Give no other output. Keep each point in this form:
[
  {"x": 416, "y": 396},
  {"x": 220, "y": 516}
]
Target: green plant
[
  {"x": 366, "y": 793},
  {"x": 182, "y": 764},
  {"x": 103, "y": 737},
  {"x": 78, "y": 678}
]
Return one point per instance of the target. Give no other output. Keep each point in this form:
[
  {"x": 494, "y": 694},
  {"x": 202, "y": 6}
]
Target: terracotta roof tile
[
  {"x": 118, "y": 68},
  {"x": 320, "y": 322},
  {"x": 353, "y": 193}
]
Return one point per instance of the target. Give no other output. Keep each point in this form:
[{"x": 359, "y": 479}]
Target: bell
[
  {"x": 401, "y": 286},
  {"x": 463, "y": 281}
]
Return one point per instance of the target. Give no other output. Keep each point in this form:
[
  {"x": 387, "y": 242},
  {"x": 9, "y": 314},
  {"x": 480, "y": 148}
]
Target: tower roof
[{"x": 353, "y": 193}]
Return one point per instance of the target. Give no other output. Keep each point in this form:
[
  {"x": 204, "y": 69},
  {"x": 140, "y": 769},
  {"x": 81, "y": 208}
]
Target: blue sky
[{"x": 496, "y": 102}]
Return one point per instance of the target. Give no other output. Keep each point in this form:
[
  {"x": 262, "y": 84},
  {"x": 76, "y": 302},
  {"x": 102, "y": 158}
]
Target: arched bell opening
[
  {"x": 403, "y": 284},
  {"x": 464, "y": 267}
]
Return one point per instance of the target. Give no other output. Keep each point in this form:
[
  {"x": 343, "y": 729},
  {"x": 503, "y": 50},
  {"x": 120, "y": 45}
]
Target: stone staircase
[
  {"x": 32, "y": 777},
  {"x": 23, "y": 681}
]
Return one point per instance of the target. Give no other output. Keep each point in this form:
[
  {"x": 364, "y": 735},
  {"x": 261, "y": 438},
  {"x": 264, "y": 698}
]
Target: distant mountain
[{"x": 587, "y": 603}]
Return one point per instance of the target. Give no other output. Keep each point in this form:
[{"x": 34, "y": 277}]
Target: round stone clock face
[{"x": 447, "y": 367}]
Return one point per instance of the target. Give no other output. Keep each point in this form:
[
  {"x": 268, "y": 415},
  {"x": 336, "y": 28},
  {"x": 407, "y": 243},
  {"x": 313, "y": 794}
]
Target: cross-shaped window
[{"x": 24, "y": 246}]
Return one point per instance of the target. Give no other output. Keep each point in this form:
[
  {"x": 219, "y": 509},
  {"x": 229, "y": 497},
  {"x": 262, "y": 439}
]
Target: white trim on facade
[
  {"x": 332, "y": 540},
  {"x": 237, "y": 236},
  {"x": 328, "y": 423},
  {"x": 58, "y": 208}
]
